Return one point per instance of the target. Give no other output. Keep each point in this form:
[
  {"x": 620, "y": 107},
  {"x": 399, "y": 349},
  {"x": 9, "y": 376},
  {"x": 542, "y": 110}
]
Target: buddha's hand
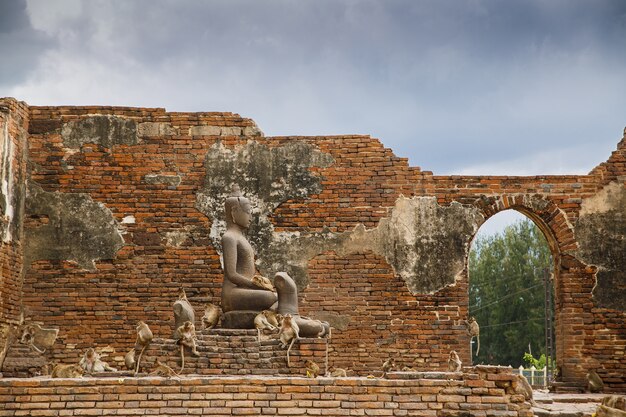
[{"x": 262, "y": 282}]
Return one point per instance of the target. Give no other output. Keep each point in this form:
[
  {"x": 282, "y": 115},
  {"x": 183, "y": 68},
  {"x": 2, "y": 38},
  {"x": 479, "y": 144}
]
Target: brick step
[{"x": 236, "y": 352}]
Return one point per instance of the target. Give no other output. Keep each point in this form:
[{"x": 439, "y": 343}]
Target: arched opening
[{"x": 511, "y": 293}]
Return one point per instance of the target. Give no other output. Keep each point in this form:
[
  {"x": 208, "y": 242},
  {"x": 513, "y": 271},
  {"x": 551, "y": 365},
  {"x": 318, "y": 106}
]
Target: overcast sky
[{"x": 458, "y": 87}]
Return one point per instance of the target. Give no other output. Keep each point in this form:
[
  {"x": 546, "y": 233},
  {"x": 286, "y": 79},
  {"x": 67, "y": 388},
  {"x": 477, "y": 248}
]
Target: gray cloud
[
  {"x": 20, "y": 45},
  {"x": 455, "y": 86}
]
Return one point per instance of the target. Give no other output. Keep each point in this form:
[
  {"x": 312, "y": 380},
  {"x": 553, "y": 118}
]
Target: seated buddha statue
[{"x": 242, "y": 298}]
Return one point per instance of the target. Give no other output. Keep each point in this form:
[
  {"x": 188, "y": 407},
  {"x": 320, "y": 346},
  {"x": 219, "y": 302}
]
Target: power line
[
  {"x": 511, "y": 322},
  {"x": 505, "y": 297}
]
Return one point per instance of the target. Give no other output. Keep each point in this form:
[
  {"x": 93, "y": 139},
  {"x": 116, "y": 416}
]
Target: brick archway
[{"x": 559, "y": 234}]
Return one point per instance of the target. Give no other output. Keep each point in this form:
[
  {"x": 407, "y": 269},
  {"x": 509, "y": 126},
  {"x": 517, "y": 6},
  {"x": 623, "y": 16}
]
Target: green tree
[{"x": 507, "y": 293}]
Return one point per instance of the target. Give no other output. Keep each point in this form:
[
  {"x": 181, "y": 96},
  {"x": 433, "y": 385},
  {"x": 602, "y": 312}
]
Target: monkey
[
  {"x": 454, "y": 363},
  {"x": 407, "y": 369},
  {"x": 129, "y": 360},
  {"x": 266, "y": 319},
  {"x": 263, "y": 282},
  {"x": 312, "y": 369},
  {"x": 521, "y": 386},
  {"x": 473, "y": 329},
  {"x": 187, "y": 334},
  {"x": 338, "y": 373},
  {"x": 67, "y": 371},
  {"x": 163, "y": 370},
  {"x": 91, "y": 363},
  {"x": 211, "y": 316},
  {"x": 615, "y": 401},
  {"x": 388, "y": 365},
  {"x": 38, "y": 338},
  {"x": 289, "y": 332},
  {"x": 274, "y": 318},
  {"x": 594, "y": 382},
  {"x": 144, "y": 337}
]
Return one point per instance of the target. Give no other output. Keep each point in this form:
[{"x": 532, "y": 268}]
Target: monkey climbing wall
[{"x": 123, "y": 206}]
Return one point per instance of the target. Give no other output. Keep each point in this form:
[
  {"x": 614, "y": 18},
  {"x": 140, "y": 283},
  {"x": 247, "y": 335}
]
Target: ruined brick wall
[
  {"x": 13, "y": 150},
  {"x": 481, "y": 392},
  {"x": 125, "y": 206}
]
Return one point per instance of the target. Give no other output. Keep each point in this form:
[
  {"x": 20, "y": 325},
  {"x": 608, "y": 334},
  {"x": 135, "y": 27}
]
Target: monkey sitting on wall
[
  {"x": 594, "y": 382},
  {"x": 473, "y": 329},
  {"x": 454, "y": 362},
  {"x": 289, "y": 333},
  {"x": 338, "y": 373},
  {"x": 312, "y": 369},
  {"x": 91, "y": 363},
  {"x": 211, "y": 316},
  {"x": 187, "y": 333},
  {"x": 388, "y": 365},
  {"x": 266, "y": 320},
  {"x": 67, "y": 371},
  {"x": 163, "y": 370},
  {"x": 144, "y": 337}
]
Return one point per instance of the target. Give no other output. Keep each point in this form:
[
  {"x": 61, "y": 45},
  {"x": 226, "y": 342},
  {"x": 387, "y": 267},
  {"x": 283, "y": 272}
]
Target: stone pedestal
[{"x": 239, "y": 319}]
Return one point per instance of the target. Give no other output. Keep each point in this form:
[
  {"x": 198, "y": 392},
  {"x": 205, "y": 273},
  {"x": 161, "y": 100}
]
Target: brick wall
[
  {"x": 478, "y": 392},
  {"x": 99, "y": 306},
  {"x": 13, "y": 151}
]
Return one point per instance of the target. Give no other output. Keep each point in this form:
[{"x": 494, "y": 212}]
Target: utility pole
[{"x": 549, "y": 320}]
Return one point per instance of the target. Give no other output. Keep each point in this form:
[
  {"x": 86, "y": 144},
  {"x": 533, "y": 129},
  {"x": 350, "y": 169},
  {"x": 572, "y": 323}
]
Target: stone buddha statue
[{"x": 242, "y": 298}]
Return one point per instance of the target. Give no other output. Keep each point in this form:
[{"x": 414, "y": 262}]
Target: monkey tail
[
  {"x": 182, "y": 358},
  {"x": 139, "y": 358},
  {"x": 478, "y": 344},
  {"x": 289, "y": 350}
]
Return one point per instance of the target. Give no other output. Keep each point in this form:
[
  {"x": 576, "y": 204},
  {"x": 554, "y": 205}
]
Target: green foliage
[
  {"x": 506, "y": 292},
  {"x": 531, "y": 361}
]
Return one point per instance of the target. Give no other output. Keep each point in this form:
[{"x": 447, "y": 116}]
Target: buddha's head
[{"x": 237, "y": 209}]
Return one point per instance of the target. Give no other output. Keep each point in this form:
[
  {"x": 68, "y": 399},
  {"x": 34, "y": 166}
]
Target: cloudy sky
[{"x": 458, "y": 87}]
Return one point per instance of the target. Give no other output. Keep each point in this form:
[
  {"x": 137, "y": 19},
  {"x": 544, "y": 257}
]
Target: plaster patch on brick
[
  {"x": 336, "y": 321},
  {"x": 601, "y": 234},
  {"x": 105, "y": 130},
  {"x": 156, "y": 129},
  {"x": 7, "y": 208},
  {"x": 425, "y": 243},
  {"x": 162, "y": 179},
  {"x": 176, "y": 238},
  {"x": 79, "y": 229},
  {"x": 268, "y": 176}
]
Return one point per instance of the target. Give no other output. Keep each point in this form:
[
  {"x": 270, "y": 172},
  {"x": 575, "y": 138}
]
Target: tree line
[{"x": 507, "y": 294}]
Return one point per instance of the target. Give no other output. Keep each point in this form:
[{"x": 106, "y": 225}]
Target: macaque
[
  {"x": 163, "y": 370},
  {"x": 211, "y": 316},
  {"x": 91, "y": 363},
  {"x": 144, "y": 337},
  {"x": 407, "y": 369},
  {"x": 67, "y": 371},
  {"x": 473, "y": 329},
  {"x": 187, "y": 334},
  {"x": 266, "y": 319},
  {"x": 594, "y": 382},
  {"x": 129, "y": 359},
  {"x": 388, "y": 365},
  {"x": 289, "y": 333},
  {"x": 338, "y": 373},
  {"x": 454, "y": 362},
  {"x": 521, "y": 386},
  {"x": 263, "y": 282},
  {"x": 312, "y": 369},
  {"x": 38, "y": 338},
  {"x": 615, "y": 401}
]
